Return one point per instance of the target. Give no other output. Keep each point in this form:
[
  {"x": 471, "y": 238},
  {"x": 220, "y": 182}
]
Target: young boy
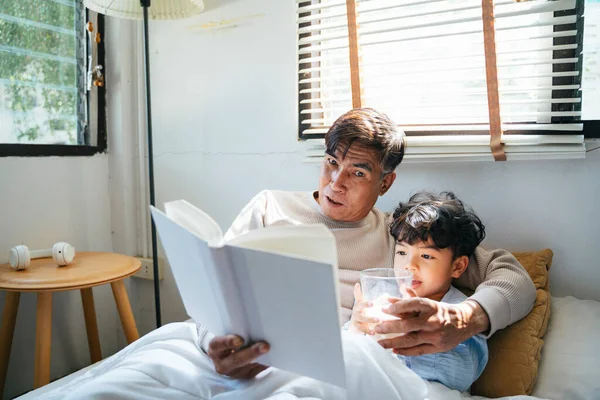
[{"x": 435, "y": 236}]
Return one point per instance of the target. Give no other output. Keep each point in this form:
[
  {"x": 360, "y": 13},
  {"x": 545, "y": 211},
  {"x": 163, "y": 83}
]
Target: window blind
[{"x": 424, "y": 64}]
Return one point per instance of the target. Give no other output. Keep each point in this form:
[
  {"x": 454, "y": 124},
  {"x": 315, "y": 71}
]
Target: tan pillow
[
  {"x": 537, "y": 265},
  {"x": 515, "y": 351}
]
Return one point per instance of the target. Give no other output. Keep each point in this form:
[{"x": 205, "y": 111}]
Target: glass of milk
[{"x": 379, "y": 284}]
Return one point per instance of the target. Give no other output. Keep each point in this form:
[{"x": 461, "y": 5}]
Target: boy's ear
[{"x": 459, "y": 265}]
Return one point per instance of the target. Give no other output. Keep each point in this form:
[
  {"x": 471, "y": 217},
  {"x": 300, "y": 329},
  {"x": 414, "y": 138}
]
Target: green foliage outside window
[{"x": 39, "y": 44}]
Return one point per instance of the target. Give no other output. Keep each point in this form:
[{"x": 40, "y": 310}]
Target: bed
[{"x": 167, "y": 364}]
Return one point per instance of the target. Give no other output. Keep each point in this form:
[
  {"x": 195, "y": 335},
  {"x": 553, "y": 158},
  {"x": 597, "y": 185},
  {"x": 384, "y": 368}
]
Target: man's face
[
  {"x": 349, "y": 185},
  {"x": 432, "y": 268}
]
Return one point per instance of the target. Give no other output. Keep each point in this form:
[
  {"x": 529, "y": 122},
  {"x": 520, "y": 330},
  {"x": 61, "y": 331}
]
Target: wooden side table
[{"x": 43, "y": 276}]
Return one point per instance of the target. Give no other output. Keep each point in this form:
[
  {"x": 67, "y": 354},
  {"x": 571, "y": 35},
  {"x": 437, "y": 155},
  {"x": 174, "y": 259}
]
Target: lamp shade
[{"x": 159, "y": 9}]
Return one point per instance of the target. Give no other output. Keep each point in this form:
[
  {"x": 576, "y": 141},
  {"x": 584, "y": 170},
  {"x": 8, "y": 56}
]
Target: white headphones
[{"x": 20, "y": 257}]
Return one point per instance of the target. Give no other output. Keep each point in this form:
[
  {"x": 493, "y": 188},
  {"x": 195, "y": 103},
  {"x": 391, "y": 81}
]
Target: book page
[
  {"x": 195, "y": 220},
  {"x": 293, "y": 304},
  {"x": 195, "y": 274},
  {"x": 310, "y": 241}
]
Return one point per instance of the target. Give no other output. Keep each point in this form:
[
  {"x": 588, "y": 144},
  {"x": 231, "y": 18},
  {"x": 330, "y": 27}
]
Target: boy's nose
[{"x": 411, "y": 266}]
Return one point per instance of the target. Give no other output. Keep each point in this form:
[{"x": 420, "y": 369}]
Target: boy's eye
[
  {"x": 427, "y": 257},
  {"x": 401, "y": 252}
]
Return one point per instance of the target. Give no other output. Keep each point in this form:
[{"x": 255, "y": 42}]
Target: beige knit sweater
[{"x": 503, "y": 287}]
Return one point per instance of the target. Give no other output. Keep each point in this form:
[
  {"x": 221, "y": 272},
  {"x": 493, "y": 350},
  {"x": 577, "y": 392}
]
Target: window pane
[{"x": 39, "y": 71}]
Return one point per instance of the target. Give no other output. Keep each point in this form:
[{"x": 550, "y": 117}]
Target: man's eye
[
  {"x": 360, "y": 174},
  {"x": 331, "y": 161}
]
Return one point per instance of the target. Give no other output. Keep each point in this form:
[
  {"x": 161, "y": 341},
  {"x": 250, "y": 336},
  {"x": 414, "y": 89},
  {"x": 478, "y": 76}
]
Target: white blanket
[{"x": 167, "y": 364}]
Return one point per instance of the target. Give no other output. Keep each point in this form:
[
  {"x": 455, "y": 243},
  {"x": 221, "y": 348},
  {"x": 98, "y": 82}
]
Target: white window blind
[
  {"x": 423, "y": 63},
  {"x": 590, "y": 80}
]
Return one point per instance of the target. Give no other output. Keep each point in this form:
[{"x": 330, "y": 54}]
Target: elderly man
[{"x": 363, "y": 148}]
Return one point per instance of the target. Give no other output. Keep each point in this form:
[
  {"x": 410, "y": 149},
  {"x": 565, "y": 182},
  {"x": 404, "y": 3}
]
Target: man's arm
[
  {"x": 504, "y": 294},
  {"x": 204, "y": 337},
  {"x": 428, "y": 326},
  {"x": 502, "y": 286},
  {"x": 251, "y": 217}
]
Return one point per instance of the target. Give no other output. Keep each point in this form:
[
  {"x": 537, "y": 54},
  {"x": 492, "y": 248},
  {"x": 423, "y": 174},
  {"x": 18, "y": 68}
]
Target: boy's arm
[
  {"x": 457, "y": 368},
  {"x": 502, "y": 287}
]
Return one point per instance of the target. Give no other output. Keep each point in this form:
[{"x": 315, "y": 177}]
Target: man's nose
[{"x": 338, "y": 181}]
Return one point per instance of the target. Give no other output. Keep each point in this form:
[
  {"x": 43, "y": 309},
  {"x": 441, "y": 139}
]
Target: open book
[{"x": 277, "y": 284}]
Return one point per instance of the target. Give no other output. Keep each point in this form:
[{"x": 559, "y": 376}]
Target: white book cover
[{"x": 277, "y": 284}]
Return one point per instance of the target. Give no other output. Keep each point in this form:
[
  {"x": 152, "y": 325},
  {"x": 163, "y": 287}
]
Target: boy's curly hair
[{"x": 443, "y": 218}]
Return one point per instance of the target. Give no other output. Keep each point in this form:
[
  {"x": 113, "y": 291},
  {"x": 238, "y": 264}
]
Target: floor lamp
[{"x": 142, "y": 9}]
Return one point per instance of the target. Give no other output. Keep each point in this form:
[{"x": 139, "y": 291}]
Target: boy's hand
[{"x": 361, "y": 323}]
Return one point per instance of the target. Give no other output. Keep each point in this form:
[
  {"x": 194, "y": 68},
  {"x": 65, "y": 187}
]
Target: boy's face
[{"x": 432, "y": 268}]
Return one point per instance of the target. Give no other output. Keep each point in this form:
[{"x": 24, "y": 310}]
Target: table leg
[
  {"x": 11, "y": 305},
  {"x": 43, "y": 339},
  {"x": 124, "y": 307},
  {"x": 91, "y": 324}
]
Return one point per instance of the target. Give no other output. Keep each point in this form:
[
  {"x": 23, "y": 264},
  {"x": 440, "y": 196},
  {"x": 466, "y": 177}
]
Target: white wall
[
  {"x": 126, "y": 126},
  {"x": 126, "y": 190},
  {"x": 225, "y": 128},
  {"x": 44, "y": 200}
]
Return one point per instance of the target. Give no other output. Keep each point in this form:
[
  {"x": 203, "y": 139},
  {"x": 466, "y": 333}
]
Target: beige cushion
[{"x": 515, "y": 351}]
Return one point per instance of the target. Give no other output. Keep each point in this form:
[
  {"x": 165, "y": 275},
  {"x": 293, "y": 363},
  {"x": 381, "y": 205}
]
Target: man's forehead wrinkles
[{"x": 355, "y": 157}]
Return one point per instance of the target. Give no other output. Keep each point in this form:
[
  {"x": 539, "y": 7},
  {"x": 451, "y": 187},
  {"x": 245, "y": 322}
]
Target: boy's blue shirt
[{"x": 457, "y": 368}]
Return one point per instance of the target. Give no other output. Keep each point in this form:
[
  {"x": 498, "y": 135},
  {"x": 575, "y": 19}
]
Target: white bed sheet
[
  {"x": 167, "y": 364},
  {"x": 570, "y": 362}
]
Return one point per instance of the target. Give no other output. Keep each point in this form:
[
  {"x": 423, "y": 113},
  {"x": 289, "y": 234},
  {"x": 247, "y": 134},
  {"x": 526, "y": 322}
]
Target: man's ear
[
  {"x": 388, "y": 180},
  {"x": 459, "y": 265}
]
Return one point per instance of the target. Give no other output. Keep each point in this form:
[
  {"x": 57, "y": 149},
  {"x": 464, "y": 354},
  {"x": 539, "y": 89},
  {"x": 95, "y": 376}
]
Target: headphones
[{"x": 20, "y": 257}]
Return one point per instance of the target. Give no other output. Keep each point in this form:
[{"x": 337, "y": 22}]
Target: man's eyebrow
[
  {"x": 366, "y": 166},
  {"x": 363, "y": 165}
]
